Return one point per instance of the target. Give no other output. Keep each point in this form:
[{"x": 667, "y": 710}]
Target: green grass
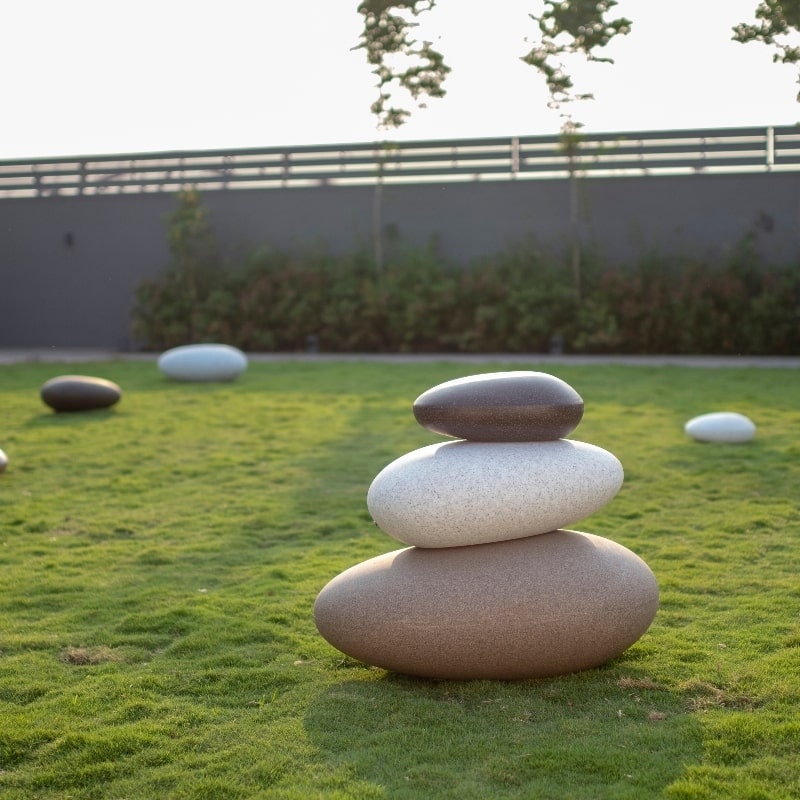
[{"x": 159, "y": 562}]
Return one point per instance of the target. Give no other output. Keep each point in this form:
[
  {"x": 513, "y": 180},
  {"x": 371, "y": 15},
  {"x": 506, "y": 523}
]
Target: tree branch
[
  {"x": 387, "y": 34},
  {"x": 776, "y": 19},
  {"x": 568, "y": 27}
]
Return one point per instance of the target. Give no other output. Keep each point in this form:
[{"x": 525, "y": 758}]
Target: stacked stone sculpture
[
  {"x": 79, "y": 393},
  {"x": 492, "y": 586}
]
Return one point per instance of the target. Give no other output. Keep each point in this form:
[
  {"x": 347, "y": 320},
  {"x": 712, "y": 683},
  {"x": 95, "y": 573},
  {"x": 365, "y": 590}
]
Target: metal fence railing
[{"x": 738, "y": 150}]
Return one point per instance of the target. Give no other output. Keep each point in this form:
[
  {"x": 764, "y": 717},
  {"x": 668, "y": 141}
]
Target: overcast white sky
[{"x": 84, "y": 77}]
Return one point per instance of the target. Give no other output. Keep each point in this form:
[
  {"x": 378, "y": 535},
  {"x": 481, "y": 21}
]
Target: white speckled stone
[
  {"x": 203, "y": 362},
  {"x": 535, "y": 607},
  {"x": 725, "y": 427},
  {"x": 463, "y": 493},
  {"x": 3, "y": 461}
]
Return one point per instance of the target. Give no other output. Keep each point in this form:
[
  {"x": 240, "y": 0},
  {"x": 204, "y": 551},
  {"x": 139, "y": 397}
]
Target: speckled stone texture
[
  {"x": 723, "y": 427},
  {"x": 501, "y": 407},
  {"x": 79, "y": 393},
  {"x": 460, "y": 493},
  {"x": 535, "y": 607},
  {"x": 203, "y": 363}
]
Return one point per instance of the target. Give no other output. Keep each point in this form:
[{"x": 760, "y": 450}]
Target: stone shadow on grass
[
  {"x": 64, "y": 419},
  {"x": 593, "y": 734}
]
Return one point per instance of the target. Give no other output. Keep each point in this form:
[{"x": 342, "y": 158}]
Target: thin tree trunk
[
  {"x": 377, "y": 228},
  {"x": 574, "y": 225}
]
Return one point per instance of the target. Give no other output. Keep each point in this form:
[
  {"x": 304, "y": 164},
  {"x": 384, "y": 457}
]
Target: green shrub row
[{"x": 518, "y": 301}]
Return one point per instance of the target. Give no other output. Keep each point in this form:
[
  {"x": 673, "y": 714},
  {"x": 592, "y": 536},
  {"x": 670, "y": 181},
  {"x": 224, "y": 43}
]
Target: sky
[{"x": 89, "y": 77}]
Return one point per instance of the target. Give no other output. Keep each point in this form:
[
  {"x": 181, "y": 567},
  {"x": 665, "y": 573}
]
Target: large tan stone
[{"x": 545, "y": 605}]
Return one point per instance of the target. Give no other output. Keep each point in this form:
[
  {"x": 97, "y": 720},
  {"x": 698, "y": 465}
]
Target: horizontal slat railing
[{"x": 513, "y": 158}]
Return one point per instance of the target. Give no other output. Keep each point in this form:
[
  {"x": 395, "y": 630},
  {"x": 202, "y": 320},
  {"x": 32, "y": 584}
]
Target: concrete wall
[{"x": 69, "y": 265}]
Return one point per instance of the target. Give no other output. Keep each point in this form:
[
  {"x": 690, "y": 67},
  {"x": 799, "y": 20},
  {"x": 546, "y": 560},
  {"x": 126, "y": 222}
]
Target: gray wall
[{"x": 80, "y": 295}]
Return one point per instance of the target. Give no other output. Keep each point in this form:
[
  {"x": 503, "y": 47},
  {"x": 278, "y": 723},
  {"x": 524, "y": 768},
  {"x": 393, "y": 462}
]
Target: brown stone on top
[
  {"x": 536, "y": 607},
  {"x": 79, "y": 393},
  {"x": 516, "y": 406}
]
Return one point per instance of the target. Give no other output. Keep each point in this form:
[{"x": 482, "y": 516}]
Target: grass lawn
[{"x": 159, "y": 562}]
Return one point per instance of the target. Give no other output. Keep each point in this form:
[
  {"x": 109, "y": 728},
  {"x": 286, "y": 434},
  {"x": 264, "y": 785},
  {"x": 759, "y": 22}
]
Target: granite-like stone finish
[
  {"x": 3, "y": 461},
  {"x": 529, "y": 608},
  {"x": 463, "y": 493},
  {"x": 79, "y": 393},
  {"x": 724, "y": 427},
  {"x": 203, "y": 363},
  {"x": 516, "y": 406}
]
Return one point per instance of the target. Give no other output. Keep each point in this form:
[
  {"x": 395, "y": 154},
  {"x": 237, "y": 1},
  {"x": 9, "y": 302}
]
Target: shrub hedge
[{"x": 520, "y": 300}]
